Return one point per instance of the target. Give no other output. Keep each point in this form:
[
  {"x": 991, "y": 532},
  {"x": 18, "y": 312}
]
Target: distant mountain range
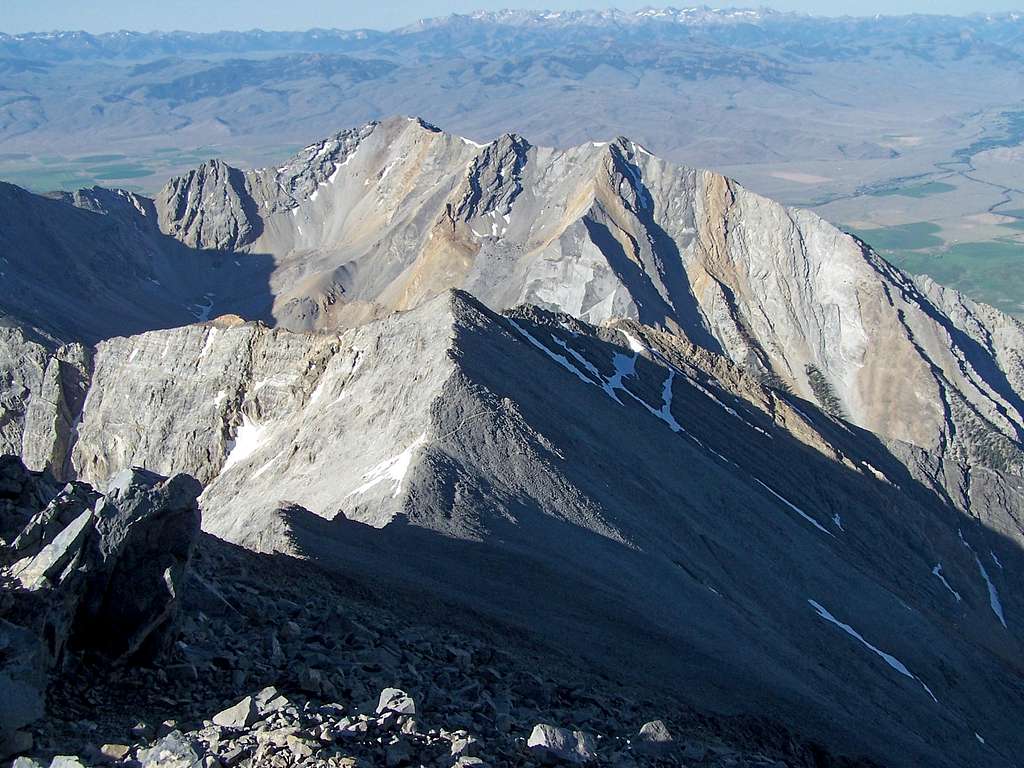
[{"x": 1001, "y": 32}]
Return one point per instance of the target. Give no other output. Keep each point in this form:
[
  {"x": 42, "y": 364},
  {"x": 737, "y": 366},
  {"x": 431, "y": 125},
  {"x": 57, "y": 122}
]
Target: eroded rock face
[
  {"x": 209, "y": 208},
  {"x": 404, "y": 212},
  {"x": 390, "y": 215}
]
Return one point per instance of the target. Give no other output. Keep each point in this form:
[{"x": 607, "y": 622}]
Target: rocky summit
[{"x": 504, "y": 455}]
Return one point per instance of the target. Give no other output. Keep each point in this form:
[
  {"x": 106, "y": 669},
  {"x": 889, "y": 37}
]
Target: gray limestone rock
[
  {"x": 654, "y": 737},
  {"x": 210, "y": 207},
  {"x": 553, "y": 743},
  {"x": 172, "y": 751},
  {"x": 63, "y": 552},
  {"x": 397, "y": 701},
  {"x": 239, "y": 716}
]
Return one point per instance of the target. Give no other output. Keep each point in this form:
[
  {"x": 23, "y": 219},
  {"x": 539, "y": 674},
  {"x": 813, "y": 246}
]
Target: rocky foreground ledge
[{"x": 129, "y": 638}]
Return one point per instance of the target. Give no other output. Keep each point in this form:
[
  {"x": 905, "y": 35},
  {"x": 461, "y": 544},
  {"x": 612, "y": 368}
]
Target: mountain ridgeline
[{"x": 711, "y": 444}]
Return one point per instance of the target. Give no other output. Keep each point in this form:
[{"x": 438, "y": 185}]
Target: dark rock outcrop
[
  {"x": 88, "y": 574},
  {"x": 145, "y": 527}
]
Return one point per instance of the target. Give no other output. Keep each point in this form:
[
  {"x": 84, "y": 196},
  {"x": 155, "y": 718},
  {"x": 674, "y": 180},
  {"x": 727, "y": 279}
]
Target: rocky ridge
[
  {"x": 384, "y": 217},
  {"x": 453, "y": 452},
  {"x": 721, "y": 357}
]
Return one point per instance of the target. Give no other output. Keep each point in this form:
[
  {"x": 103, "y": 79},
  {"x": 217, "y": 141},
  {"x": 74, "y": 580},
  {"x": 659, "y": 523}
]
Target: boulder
[
  {"x": 551, "y": 743},
  {"x": 44, "y": 526},
  {"x": 54, "y": 559},
  {"x": 654, "y": 737},
  {"x": 397, "y": 701},
  {"x": 241, "y": 715},
  {"x": 103, "y": 578},
  {"x": 172, "y": 751},
  {"x": 115, "y": 752}
]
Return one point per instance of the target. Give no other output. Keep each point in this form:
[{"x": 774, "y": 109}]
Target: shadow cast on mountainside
[
  {"x": 705, "y": 595},
  {"x": 88, "y": 275},
  {"x": 235, "y": 601}
]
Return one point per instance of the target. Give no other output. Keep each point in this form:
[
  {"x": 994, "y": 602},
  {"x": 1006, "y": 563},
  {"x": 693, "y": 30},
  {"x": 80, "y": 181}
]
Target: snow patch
[
  {"x": 202, "y": 311},
  {"x": 560, "y": 359},
  {"x": 472, "y": 143},
  {"x": 796, "y": 509},
  {"x": 937, "y": 571},
  {"x": 208, "y": 344},
  {"x": 391, "y": 470},
  {"x": 993, "y": 596},
  {"x": 248, "y": 439},
  {"x": 634, "y": 343},
  {"x": 889, "y": 659}
]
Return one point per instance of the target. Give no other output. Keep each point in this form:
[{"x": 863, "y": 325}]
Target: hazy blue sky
[{"x": 204, "y": 15}]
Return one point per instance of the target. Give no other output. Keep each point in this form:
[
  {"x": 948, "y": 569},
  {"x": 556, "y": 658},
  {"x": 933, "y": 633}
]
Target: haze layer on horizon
[{"x": 202, "y": 16}]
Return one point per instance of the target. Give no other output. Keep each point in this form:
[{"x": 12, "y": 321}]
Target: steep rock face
[
  {"x": 210, "y": 207},
  {"x": 253, "y": 411},
  {"x": 536, "y": 469},
  {"x": 389, "y": 215},
  {"x": 24, "y": 360},
  {"x": 41, "y": 397},
  {"x": 607, "y": 230}
]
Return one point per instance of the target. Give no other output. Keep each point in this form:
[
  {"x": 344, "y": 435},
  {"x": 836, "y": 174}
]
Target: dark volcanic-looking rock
[
  {"x": 107, "y": 578},
  {"x": 145, "y": 527}
]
